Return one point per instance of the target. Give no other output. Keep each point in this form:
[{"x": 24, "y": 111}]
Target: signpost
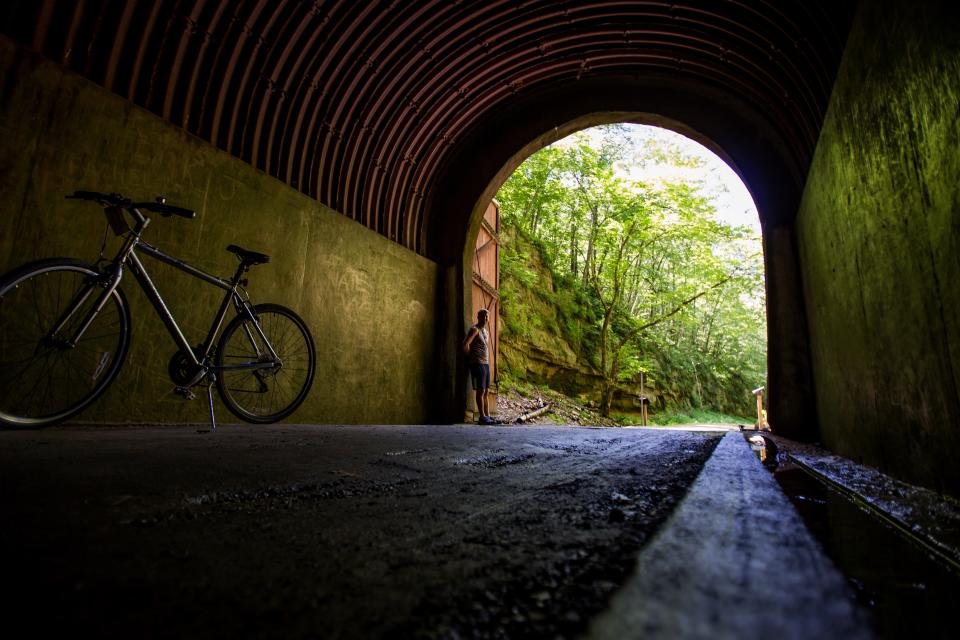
[{"x": 761, "y": 423}]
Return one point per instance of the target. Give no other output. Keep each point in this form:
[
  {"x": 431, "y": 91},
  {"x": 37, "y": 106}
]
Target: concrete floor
[{"x": 423, "y": 531}]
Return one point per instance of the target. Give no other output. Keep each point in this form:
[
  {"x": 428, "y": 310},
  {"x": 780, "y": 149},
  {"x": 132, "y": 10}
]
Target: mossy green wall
[
  {"x": 879, "y": 236},
  {"x": 370, "y": 303}
]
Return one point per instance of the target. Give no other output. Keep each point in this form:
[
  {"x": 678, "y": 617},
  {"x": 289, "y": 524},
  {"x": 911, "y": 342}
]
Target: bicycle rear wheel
[
  {"x": 267, "y": 394},
  {"x": 44, "y": 379}
]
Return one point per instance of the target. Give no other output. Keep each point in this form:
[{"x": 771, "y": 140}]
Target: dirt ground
[
  {"x": 333, "y": 532},
  {"x": 512, "y": 406}
]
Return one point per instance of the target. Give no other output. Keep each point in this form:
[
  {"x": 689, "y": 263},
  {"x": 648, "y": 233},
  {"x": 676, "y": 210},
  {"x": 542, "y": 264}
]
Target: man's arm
[{"x": 466, "y": 341}]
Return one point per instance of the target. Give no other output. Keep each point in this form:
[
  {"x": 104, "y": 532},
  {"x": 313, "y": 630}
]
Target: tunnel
[{"x": 359, "y": 143}]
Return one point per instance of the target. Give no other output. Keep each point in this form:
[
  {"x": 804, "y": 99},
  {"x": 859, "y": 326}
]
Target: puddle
[{"x": 907, "y": 593}]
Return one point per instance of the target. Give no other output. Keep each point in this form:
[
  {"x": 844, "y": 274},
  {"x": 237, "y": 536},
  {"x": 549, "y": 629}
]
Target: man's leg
[
  {"x": 481, "y": 402},
  {"x": 486, "y": 410},
  {"x": 476, "y": 377},
  {"x": 486, "y": 392}
]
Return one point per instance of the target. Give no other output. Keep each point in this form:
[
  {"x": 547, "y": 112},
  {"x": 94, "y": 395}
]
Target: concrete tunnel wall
[
  {"x": 879, "y": 239},
  {"x": 369, "y": 302}
]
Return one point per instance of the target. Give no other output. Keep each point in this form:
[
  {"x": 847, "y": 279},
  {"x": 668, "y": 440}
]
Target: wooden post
[
  {"x": 643, "y": 400},
  {"x": 759, "y": 394}
]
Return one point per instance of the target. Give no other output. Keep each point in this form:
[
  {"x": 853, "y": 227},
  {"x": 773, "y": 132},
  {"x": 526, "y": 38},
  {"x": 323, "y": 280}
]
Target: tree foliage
[{"x": 669, "y": 290}]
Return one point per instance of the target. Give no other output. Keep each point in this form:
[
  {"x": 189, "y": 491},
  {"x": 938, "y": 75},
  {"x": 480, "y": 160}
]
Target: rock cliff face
[
  {"x": 538, "y": 365},
  {"x": 545, "y": 340},
  {"x": 543, "y": 366}
]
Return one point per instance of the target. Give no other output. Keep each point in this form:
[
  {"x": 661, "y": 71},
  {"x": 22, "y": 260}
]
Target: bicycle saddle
[{"x": 250, "y": 257}]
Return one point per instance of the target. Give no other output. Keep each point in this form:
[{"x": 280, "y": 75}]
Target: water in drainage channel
[{"x": 908, "y": 593}]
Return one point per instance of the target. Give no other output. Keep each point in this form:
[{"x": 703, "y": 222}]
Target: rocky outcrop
[
  {"x": 541, "y": 366},
  {"x": 535, "y": 348},
  {"x": 535, "y": 364}
]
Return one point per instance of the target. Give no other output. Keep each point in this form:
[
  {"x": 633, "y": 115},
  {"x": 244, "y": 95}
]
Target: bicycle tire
[
  {"x": 43, "y": 380},
  {"x": 266, "y": 395}
]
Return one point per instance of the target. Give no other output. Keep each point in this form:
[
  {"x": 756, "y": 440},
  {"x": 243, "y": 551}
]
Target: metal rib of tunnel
[{"x": 364, "y": 105}]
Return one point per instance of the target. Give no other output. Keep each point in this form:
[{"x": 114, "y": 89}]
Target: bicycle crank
[{"x": 183, "y": 371}]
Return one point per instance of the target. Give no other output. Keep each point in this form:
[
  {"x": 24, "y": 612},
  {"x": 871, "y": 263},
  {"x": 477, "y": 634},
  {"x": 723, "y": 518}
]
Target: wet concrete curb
[
  {"x": 929, "y": 520},
  {"x": 733, "y": 561}
]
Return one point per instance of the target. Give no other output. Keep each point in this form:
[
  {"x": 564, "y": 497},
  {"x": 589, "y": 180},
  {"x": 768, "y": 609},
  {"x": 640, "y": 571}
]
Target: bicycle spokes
[
  {"x": 44, "y": 374},
  {"x": 255, "y": 385}
]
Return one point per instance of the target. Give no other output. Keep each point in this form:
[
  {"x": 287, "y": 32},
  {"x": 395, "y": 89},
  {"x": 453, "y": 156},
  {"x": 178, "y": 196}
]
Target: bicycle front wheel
[
  {"x": 44, "y": 377},
  {"x": 254, "y": 386}
]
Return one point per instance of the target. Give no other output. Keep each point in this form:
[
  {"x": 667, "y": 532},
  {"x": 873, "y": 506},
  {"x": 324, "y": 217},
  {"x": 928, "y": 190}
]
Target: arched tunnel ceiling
[{"x": 361, "y": 104}]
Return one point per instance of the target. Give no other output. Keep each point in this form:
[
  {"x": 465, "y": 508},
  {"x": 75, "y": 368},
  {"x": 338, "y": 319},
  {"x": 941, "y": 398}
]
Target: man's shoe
[{"x": 488, "y": 420}]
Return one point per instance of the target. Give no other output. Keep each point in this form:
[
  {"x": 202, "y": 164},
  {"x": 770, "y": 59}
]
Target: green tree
[{"x": 664, "y": 276}]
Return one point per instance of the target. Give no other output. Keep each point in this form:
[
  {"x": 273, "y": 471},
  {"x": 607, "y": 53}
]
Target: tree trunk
[
  {"x": 588, "y": 261},
  {"x": 606, "y": 398},
  {"x": 591, "y": 238},
  {"x": 573, "y": 249},
  {"x": 606, "y": 392}
]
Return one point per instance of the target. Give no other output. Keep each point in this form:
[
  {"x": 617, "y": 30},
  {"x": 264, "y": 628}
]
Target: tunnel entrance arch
[
  {"x": 484, "y": 293},
  {"x": 745, "y": 140}
]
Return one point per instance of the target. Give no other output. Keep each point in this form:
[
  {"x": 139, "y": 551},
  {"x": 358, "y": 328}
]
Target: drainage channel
[{"x": 906, "y": 590}]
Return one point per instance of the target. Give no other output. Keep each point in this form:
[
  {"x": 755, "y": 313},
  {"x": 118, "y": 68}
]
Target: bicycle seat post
[{"x": 242, "y": 268}]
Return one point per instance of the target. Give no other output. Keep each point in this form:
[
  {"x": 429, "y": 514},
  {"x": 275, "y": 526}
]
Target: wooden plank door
[{"x": 486, "y": 287}]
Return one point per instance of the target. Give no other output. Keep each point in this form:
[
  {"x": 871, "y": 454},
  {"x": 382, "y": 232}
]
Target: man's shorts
[{"x": 480, "y": 374}]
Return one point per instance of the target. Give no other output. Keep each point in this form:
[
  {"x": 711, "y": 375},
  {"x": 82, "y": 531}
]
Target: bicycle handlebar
[
  {"x": 114, "y": 199},
  {"x": 117, "y": 200},
  {"x": 165, "y": 209}
]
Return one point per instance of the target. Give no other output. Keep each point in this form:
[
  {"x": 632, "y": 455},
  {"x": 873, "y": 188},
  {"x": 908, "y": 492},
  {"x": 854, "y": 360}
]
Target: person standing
[{"x": 477, "y": 347}]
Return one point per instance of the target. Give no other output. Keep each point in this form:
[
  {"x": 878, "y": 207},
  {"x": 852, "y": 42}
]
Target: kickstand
[{"x": 213, "y": 419}]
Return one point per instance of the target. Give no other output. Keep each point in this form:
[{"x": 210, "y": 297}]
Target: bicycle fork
[{"x": 81, "y": 298}]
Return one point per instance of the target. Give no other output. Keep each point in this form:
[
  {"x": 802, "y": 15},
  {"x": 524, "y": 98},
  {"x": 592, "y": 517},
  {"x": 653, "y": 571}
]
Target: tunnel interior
[
  {"x": 360, "y": 141},
  {"x": 362, "y": 106}
]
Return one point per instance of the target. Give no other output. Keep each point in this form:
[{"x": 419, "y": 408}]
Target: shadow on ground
[{"x": 335, "y": 532}]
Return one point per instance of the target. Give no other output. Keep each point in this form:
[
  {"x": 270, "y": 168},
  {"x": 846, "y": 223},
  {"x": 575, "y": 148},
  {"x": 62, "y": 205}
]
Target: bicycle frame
[
  {"x": 160, "y": 306},
  {"x": 128, "y": 256}
]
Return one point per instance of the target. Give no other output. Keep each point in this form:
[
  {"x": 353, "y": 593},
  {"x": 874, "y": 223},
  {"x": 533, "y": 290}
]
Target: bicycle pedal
[{"x": 185, "y": 392}]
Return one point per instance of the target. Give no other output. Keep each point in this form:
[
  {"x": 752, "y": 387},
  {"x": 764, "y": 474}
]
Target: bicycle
[{"x": 65, "y": 329}]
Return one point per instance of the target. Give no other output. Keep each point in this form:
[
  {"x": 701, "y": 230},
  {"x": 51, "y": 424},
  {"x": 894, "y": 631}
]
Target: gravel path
[{"x": 334, "y": 532}]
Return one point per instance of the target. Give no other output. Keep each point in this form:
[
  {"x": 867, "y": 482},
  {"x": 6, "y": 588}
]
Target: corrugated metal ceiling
[{"x": 359, "y": 103}]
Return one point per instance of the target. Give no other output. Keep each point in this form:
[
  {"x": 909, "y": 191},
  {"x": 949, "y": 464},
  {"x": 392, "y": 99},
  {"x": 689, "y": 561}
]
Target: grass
[
  {"x": 689, "y": 416},
  {"x": 675, "y": 417}
]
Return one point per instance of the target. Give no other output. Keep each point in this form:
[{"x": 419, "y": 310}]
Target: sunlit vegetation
[
  {"x": 688, "y": 416},
  {"x": 641, "y": 276}
]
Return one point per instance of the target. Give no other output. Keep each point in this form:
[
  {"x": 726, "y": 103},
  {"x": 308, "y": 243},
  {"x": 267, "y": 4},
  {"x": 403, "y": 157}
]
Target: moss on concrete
[
  {"x": 369, "y": 302},
  {"x": 879, "y": 236}
]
